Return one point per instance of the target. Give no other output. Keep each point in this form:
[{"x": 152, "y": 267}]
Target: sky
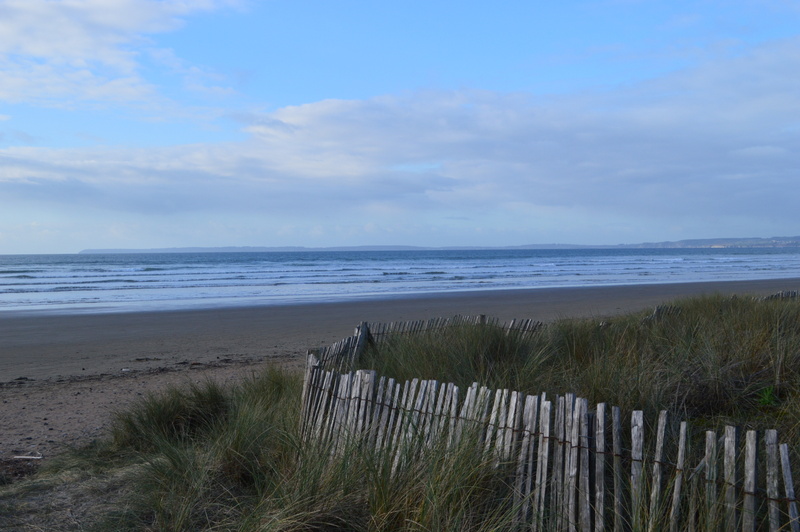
[{"x": 172, "y": 123}]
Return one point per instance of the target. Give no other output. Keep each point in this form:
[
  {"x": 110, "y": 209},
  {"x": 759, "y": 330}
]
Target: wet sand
[{"x": 62, "y": 375}]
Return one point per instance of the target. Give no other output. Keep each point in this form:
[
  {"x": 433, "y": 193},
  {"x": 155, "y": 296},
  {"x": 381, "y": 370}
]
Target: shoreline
[
  {"x": 63, "y": 376},
  {"x": 48, "y": 346}
]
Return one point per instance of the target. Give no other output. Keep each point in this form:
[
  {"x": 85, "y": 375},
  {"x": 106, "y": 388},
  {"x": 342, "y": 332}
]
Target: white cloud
[{"x": 60, "y": 52}]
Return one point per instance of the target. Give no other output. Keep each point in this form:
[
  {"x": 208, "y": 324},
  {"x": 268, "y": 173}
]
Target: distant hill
[
  {"x": 773, "y": 242},
  {"x": 757, "y": 242},
  {"x": 249, "y": 249}
]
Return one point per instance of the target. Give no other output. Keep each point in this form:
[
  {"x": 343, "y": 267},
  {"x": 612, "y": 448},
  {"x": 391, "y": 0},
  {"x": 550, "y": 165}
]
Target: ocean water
[{"x": 156, "y": 281}]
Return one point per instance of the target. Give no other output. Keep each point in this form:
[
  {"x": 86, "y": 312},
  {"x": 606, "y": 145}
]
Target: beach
[{"x": 63, "y": 375}]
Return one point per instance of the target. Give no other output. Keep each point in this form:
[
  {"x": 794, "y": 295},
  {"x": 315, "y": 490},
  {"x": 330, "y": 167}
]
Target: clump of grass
[{"x": 176, "y": 415}]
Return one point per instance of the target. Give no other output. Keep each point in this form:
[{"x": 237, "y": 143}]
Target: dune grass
[
  {"x": 710, "y": 360},
  {"x": 231, "y": 459},
  {"x": 210, "y": 457}
]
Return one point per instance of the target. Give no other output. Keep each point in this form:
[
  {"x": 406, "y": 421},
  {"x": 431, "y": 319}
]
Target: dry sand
[{"x": 61, "y": 376}]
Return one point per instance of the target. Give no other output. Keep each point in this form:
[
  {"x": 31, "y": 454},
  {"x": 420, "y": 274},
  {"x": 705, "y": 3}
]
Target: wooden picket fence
[{"x": 570, "y": 467}]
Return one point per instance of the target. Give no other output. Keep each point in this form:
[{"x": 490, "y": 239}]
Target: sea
[{"x": 118, "y": 282}]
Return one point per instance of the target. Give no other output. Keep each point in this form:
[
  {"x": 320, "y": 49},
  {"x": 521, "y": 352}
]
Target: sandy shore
[{"x": 62, "y": 375}]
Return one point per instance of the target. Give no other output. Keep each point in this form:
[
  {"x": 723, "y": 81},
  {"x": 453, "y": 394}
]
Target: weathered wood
[
  {"x": 675, "y": 510},
  {"x": 322, "y": 423},
  {"x": 351, "y": 420},
  {"x": 453, "y": 416},
  {"x": 655, "y": 517},
  {"x": 600, "y": 468},
  {"x": 413, "y": 431},
  {"x": 464, "y": 414},
  {"x": 482, "y": 404},
  {"x": 498, "y": 411},
  {"x": 750, "y": 481},
  {"x": 426, "y": 412},
  {"x": 619, "y": 475},
  {"x": 556, "y": 484},
  {"x": 391, "y": 393},
  {"x": 771, "y": 448},
  {"x": 540, "y": 486},
  {"x": 584, "y": 491},
  {"x": 339, "y": 432},
  {"x": 439, "y": 415},
  {"x": 403, "y": 419},
  {"x": 788, "y": 486},
  {"x": 378, "y": 407},
  {"x": 731, "y": 477},
  {"x": 311, "y": 364},
  {"x": 311, "y": 395},
  {"x": 525, "y": 459},
  {"x": 365, "y": 401},
  {"x": 360, "y": 344},
  {"x": 512, "y": 425},
  {"x": 572, "y": 466},
  {"x": 637, "y": 463},
  {"x": 710, "y": 465}
]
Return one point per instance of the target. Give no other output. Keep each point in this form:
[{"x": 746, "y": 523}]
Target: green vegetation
[{"x": 230, "y": 458}]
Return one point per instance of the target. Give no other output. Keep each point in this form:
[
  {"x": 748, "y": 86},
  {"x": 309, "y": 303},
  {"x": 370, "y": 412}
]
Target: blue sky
[{"x": 135, "y": 123}]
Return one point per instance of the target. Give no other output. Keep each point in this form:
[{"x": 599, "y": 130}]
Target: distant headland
[{"x": 756, "y": 242}]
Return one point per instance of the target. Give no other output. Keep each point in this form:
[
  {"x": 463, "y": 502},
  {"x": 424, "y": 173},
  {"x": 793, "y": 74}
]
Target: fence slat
[
  {"x": 572, "y": 467},
  {"x": 584, "y": 482},
  {"x": 750, "y": 481},
  {"x": 637, "y": 462},
  {"x": 731, "y": 477},
  {"x": 675, "y": 511},
  {"x": 540, "y": 489},
  {"x": 619, "y": 475},
  {"x": 658, "y": 471},
  {"x": 525, "y": 460},
  {"x": 771, "y": 448},
  {"x": 600, "y": 468},
  {"x": 710, "y": 465},
  {"x": 498, "y": 409},
  {"x": 788, "y": 486},
  {"x": 556, "y": 500},
  {"x": 389, "y": 400}
]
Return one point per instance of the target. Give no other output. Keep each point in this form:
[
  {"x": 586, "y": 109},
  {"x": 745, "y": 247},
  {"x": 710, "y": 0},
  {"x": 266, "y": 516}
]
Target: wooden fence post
[
  {"x": 675, "y": 511},
  {"x": 750, "y": 481},
  {"x": 600, "y": 468},
  {"x": 788, "y": 484},
  {"x": 771, "y": 448},
  {"x": 584, "y": 482},
  {"x": 540, "y": 489},
  {"x": 731, "y": 477},
  {"x": 710, "y": 462},
  {"x": 637, "y": 462},
  {"x": 619, "y": 475},
  {"x": 658, "y": 472}
]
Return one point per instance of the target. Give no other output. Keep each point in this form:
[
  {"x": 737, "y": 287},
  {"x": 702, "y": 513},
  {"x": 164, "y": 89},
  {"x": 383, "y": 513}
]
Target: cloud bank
[{"x": 706, "y": 151}]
